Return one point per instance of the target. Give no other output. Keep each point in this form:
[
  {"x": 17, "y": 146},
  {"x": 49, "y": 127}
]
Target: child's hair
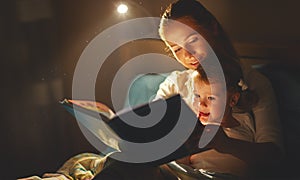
[
  {"x": 233, "y": 78},
  {"x": 209, "y": 27}
]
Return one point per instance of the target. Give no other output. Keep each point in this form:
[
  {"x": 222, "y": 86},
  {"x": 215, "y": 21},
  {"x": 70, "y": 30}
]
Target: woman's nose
[{"x": 189, "y": 53}]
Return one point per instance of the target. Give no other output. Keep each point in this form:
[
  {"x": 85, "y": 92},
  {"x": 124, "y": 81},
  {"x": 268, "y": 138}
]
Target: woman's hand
[{"x": 185, "y": 160}]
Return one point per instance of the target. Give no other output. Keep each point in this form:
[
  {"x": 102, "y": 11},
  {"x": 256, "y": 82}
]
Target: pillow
[{"x": 143, "y": 88}]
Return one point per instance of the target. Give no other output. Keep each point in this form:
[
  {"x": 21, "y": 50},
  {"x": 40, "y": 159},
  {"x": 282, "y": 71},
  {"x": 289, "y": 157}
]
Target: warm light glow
[{"x": 122, "y": 8}]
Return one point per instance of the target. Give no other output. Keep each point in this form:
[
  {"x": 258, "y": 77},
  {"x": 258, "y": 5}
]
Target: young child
[{"x": 213, "y": 106}]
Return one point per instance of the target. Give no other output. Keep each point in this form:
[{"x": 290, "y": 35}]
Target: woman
[{"x": 177, "y": 29}]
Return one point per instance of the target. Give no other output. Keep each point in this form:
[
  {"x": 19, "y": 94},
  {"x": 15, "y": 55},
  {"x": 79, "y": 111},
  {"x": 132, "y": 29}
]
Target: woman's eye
[
  {"x": 177, "y": 50},
  {"x": 194, "y": 39}
]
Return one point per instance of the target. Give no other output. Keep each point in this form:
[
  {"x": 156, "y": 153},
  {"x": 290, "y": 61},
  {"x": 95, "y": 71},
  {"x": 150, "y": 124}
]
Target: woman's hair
[
  {"x": 233, "y": 78},
  {"x": 208, "y": 25}
]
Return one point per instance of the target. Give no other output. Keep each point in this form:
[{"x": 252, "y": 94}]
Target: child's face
[
  {"x": 209, "y": 102},
  {"x": 186, "y": 44}
]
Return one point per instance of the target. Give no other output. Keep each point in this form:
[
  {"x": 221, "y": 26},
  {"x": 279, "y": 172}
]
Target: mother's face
[{"x": 184, "y": 41}]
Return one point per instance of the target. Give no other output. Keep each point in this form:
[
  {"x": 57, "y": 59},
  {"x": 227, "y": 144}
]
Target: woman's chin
[{"x": 194, "y": 67}]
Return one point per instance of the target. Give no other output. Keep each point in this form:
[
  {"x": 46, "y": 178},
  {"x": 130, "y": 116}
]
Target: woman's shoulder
[
  {"x": 176, "y": 82},
  {"x": 186, "y": 72},
  {"x": 181, "y": 75},
  {"x": 253, "y": 77}
]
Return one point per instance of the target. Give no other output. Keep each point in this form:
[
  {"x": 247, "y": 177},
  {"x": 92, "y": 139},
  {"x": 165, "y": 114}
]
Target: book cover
[{"x": 142, "y": 124}]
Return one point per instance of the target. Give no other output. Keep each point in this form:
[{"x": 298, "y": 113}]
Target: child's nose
[{"x": 203, "y": 103}]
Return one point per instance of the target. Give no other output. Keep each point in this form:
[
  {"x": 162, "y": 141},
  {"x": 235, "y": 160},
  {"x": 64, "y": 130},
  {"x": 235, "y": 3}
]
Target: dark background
[{"x": 41, "y": 42}]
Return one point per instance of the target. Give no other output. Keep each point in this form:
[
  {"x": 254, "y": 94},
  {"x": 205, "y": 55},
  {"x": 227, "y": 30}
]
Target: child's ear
[{"x": 234, "y": 99}]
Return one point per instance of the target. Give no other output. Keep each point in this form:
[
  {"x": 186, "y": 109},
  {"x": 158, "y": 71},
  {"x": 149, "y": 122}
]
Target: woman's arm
[
  {"x": 267, "y": 122},
  {"x": 257, "y": 155}
]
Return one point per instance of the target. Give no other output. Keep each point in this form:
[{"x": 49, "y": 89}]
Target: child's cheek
[{"x": 196, "y": 107}]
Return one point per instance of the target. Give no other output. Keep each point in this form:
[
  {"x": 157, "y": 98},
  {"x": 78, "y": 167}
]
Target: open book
[{"x": 145, "y": 123}]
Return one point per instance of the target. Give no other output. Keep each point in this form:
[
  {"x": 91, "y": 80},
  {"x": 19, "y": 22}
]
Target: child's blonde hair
[{"x": 233, "y": 78}]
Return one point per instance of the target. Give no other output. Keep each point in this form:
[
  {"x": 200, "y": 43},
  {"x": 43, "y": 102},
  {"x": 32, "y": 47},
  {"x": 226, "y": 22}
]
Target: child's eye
[
  {"x": 197, "y": 95},
  {"x": 211, "y": 98}
]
